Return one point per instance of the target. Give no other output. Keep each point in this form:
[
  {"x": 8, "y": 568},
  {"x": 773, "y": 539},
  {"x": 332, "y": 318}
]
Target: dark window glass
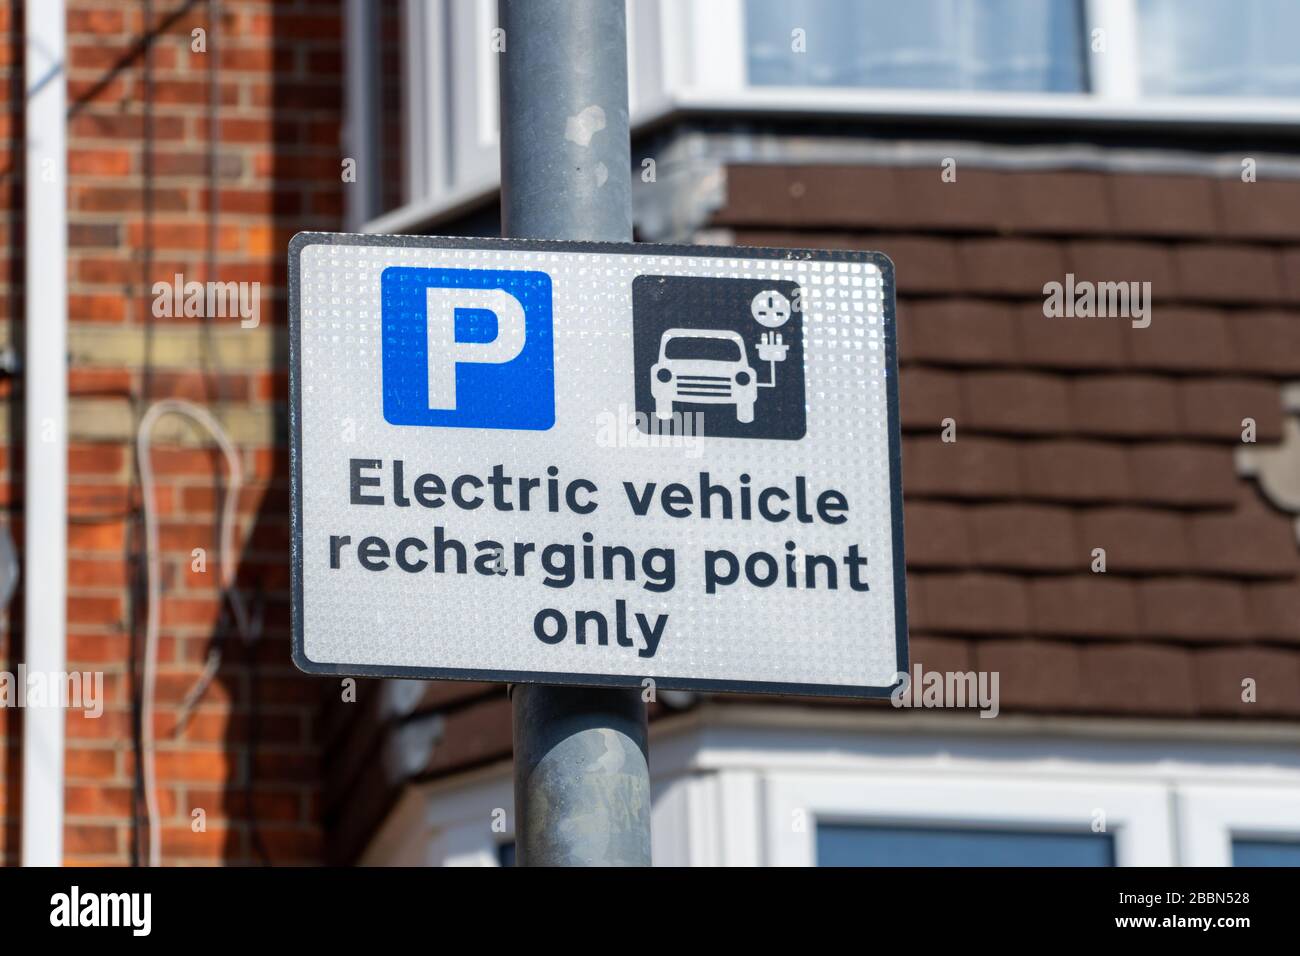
[
  {"x": 857, "y": 845},
  {"x": 1265, "y": 852}
]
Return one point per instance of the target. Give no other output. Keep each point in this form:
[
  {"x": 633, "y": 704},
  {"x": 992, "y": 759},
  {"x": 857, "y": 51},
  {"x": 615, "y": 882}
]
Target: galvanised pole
[{"x": 582, "y": 784}]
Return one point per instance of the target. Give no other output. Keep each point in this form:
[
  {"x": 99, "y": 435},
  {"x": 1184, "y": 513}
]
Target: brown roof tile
[
  {"x": 1274, "y": 611},
  {"x": 941, "y": 653},
  {"x": 1077, "y": 471},
  {"x": 842, "y": 196},
  {"x": 1180, "y": 339},
  {"x": 1024, "y": 538},
  {"x": 956, "y": 332},
  {"x": 1010, "y": 267},
  {"x": 1234, "y": 274},
  {"x": 1163, "y": 205},
  {"x": 757, "y": 194},
  {"x": 1266, "y": 342},
  {"x": 1084, "y": 605},
  {"x": 922, "y": 265},
  {"x": 1125, "y": 406},
  {"x": 1016, "y": 402},
  {"x": 1098, "y": 261},
  {"x": 1220, "y": 673},
  {"x": 1290, "y": 263},
  {"x": 1260, "y": 210},
  {"x": 1063, "y": 203},
  {"x": 1138, "y": 540},
  {"x": 1216, "y": 407},
  {"x": 970, "y": 467},
  {"x": 937, "y": 536},
  {"x": 1249, "y": 542},
  {"x": 1069, "y": 343},
  {"x": 1033, "y": 675},
  {"x": 926, "y": 396},
  {"x": 970, "y": 603},
  {"x": 1193, "y": 609},
  {"x": 1138, "y": 679},
  {"x": 975, "y": 201},
  {"x": 1183, "y": 475}
]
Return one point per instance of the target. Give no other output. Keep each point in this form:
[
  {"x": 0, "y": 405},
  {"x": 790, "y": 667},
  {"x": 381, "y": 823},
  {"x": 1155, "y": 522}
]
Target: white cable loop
[{"x": 173, "y": 406}]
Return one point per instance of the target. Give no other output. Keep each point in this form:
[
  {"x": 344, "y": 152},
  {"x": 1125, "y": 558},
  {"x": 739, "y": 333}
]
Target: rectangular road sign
[{"x": 596, "y": 463}]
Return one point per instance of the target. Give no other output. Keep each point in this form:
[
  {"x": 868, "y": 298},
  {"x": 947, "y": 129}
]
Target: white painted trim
[
  {"x": 716, "y": 37},
  {"x": 1114, "y": 73},
  {"x": 1073, "y": 108},
  {"x": 417, "y": 215},
  {"x": 486, "y": 76},
  {"x": 45, "y": 381},
  {"x": 726, "y": 782},
  {"x": 1135, "y": 815},
  {"x": 469, "y": 129},
  {"x": 1211, "y": 815},
  {"x": 644, "y": 52},
  {"x": 674, "y": 21}
]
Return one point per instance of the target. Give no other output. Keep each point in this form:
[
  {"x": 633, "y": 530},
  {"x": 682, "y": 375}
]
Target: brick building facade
[{"x": 1072, "y": 436}]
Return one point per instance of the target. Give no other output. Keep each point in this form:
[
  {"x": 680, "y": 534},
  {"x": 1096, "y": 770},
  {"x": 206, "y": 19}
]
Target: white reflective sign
[{"x": 596, "y": 463}]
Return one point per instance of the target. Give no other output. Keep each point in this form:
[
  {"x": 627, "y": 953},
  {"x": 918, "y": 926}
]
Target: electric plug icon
[{"x": 771, "y": 348}]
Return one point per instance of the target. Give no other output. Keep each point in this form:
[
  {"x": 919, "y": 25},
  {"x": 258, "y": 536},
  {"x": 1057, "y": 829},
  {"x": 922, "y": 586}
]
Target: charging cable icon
[{"x": 772, "y": 310}]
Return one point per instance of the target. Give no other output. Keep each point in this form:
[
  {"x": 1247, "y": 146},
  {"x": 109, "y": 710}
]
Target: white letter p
[{"x": 445, "y": 353}]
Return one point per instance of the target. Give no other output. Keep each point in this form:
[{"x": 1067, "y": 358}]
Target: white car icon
[{"x": 706, "y": 366}]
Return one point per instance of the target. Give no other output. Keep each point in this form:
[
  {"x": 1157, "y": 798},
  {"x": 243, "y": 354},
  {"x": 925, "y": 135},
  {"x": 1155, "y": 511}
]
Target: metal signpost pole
[{"x": 582, "y": 785}]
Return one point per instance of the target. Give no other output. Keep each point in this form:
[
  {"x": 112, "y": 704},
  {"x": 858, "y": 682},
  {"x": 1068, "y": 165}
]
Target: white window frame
[
  {"x": 450, "y": 823},
  {"x": 749, "y": 790},
  {"x": 1212, "y": 816},
  {"x": 1135, "y": 816}
]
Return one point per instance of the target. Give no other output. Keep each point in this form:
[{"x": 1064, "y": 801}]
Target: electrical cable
[{"x": 226, "y": 566}]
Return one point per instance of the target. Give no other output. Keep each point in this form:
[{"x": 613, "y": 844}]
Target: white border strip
[{"x": 45, "y": 380}]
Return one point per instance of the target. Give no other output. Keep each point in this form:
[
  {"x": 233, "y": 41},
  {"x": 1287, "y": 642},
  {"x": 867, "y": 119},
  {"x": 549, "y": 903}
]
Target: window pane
[
  {"x": 1220, "y": 47},
  {"x": 1016, "y": 45},
  {"x": 854, "y": 845},
  {"x": 1265, "y": 853}
]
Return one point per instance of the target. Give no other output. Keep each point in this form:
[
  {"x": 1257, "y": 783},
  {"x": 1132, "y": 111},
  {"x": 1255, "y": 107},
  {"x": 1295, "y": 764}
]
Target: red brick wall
[{"x": 139, "y": 211}]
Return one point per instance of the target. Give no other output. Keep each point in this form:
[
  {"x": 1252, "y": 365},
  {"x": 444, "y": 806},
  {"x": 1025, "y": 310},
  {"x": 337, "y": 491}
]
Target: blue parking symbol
[{"x": 468, "y": 348}]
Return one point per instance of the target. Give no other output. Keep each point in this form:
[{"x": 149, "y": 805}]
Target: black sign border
[{"x": 304, "y": 239}]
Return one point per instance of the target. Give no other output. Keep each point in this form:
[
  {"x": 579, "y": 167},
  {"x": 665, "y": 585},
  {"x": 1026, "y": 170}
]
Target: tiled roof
[{"x": 1076, "y": 434}]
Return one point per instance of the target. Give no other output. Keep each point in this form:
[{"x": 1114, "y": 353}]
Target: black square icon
[{"x": 718, "y": 357}]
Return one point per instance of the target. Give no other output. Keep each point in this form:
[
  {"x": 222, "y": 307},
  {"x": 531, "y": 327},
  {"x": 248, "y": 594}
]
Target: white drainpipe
[{"x": 45, "y": 388}]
